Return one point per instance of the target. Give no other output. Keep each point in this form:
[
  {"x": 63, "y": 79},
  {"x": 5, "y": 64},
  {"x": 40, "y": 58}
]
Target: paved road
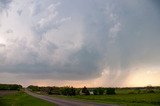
[{"x": 63, "y": 102}]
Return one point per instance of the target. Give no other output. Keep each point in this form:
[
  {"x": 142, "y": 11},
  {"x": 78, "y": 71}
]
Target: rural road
[{"x": 64, "y": 102}]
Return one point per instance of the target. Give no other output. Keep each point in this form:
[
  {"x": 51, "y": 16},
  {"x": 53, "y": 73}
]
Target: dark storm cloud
[
  {"x": 4, "y": 4},
  {"x": 79, "y": 40}
]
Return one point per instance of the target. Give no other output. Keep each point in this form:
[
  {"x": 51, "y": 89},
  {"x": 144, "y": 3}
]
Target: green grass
[
  {"x": 22, "y": 99},
  {"x": 124, "y": 99}
]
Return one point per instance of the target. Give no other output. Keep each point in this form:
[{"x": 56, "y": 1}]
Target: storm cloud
[
  {"x": 78, "y": 39},
  {"x": 4, "y": 4}
]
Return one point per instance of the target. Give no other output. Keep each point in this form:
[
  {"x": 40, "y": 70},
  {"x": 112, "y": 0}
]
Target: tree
[
  {"x": 10, "y": 87},
  {"x": 33, "y": 88},
  {"x": 85, "y": 91},
  {"x": 68, "y": 91},
  {"x": 78, "y": 91},
  {"x": 55, "y": 90},
  {"x": 149, "y": 89},
  {"x": 110, "y": 91},
  {"x": 95, "y": 91},
  {"x": 100, "y": 91},
  {"x": 49, "y": 90}
]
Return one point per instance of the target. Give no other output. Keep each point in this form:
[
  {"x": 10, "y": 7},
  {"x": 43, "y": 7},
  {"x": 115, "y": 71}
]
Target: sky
[{"x": 107, "y": 43}]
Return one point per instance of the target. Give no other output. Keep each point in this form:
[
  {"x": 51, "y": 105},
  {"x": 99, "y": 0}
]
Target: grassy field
[
  {"x": 125, "y": 97},
  {"x": 21, "y": 99},
  {"x": 152, "y": 99}
]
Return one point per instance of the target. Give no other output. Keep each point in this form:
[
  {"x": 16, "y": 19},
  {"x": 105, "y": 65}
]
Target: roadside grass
[
  {"x": 22, "y": 99},
  {"x": 148, "y": 99}
]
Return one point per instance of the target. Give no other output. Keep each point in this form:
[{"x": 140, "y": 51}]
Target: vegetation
[
  {"x": 85, "y": 91},
  {"x": 68, "y": 91},
  {"x": 22, "y": 99},
  {"x": 126, "y": 99},
  {"x": 138, "y": 96},
  {"x": 10, "y": 87},
  {"x": 98, "y": 91},
  {"x": 110, "y": 91},
  {"x": 34, "y": 88},
  {"x": 54, "y": 90}
]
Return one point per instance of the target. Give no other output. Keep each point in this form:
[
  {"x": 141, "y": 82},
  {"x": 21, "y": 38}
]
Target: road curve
[{"x": 64, "y": 102}]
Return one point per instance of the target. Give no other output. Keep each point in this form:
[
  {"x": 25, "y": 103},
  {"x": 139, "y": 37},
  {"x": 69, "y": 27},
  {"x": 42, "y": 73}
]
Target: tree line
[
  {"x": 10, "y": 87},
  {"x": 71, "y": 91}
]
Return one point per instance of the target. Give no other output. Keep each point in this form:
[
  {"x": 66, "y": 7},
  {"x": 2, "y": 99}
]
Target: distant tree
[
  {"x": 95, "y": 91},
  {"x": 149, "y": 89},
  {"x": 55, "y": 90},
  {"x": 10, "y": 87},
  {"x": 33, "y": 88},
  {"x": 68, "y": 91},
  {"x": 100, "y": 91},
  {"x": 85, "y": 91},
  {"x": 4, "y": 87},
  {"x": 136, "y": 90},
  {"x": 15, "y": 87},
  {"x": 72, "y": 91},
  {"x": 78, "y": 91},
  {"x": 110, "y": 91},
  {"x": 49, "y": 90}
]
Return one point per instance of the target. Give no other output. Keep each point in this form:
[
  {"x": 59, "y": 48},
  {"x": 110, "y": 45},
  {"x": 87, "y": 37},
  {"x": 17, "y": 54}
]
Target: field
[
  {"x": 148, "y": 96},
  {"x": 138, "y": 96},
  {"x": 122, "y": 97},
  {"x": 20, "y": 99}
]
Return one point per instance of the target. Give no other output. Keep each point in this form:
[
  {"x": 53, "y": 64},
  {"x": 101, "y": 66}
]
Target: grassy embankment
[
  {"x": 21, "y": 99},
  {"x": 122, "y": 97}
]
